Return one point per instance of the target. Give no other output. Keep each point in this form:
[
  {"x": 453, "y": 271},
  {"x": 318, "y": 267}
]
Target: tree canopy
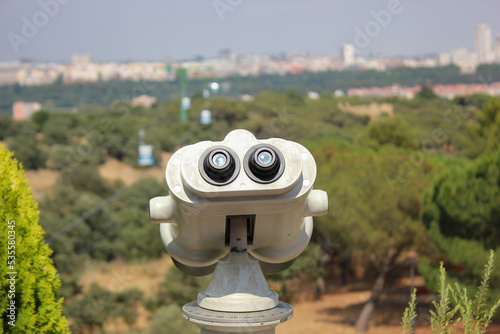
[{"x": 462, "y": 213}]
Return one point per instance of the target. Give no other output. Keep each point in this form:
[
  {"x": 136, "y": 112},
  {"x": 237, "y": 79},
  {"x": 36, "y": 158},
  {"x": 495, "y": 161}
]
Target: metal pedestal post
[{"x": 243, "y": 303}]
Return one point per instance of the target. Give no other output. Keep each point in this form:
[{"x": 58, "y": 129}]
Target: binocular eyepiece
[
  {"x": 263, "y": 163},
  {"x": 219, "y": 165}
]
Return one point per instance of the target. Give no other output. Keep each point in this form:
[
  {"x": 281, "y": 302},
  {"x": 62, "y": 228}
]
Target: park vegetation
[{"x": 426, "y": 179}]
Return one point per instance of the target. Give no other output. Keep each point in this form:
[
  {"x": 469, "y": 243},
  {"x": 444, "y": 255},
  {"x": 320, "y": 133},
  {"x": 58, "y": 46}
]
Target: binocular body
[{"x": 267, "y": 182}]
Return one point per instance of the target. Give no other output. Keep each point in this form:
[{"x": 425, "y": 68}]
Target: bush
[
  {"x": 66, "y": 158},
  {"x": 27, "y": 151},
  {"x": 39, "y": 118},
  {"x": 38, "y": 306},
  {"x": 388, "y": 131},
  {"x": 91, "y": 310},
  {"x": 75, "y": 224},
  {"x": 6, "y": 127},
  {"x": 87, "y": 178},
  {"x": 475, "y": 314},
  {"x": 484, "y": 134},
  {"x": 56, "y": 129}
]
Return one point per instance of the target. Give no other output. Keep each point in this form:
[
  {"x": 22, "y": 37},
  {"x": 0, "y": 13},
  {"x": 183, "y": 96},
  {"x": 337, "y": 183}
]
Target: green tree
[
  {"x": 484, "y": 134},
  {"x": 131, "y": 211},
  {"x": 56, "y": 129},
  {"x": 67, "y": 158},
  {"x": 427, "y": 93},
  {"x": 91, "y": 310},
  {"x": 462, "y": 214},
  {"x": 138, "y": 237},
  {"x": 227, "y": 110},
  {"x": 6, "y": 126},
  {"x": 34, "y": 290},
  {"x": 87, "y": 178},
  {"x": 39, "y": 118},
  {"x": 388, "y": 131},
  {"x": 374, "y": 205},
  {"x": 25, "y": 146},
  {"x": 27, "y": 150},
  {"x": 78, "y": 223}
]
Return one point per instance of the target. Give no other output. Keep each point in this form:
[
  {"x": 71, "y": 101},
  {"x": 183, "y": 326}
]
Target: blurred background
[{"x": 398, "y": 100}]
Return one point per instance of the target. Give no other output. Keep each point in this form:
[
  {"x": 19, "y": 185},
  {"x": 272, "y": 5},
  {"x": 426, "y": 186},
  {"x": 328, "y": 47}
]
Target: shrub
[
  {"x": 37, "y": 305},
  {"x": 27, "y": 151},
  {"x": 474, "y": 313},
  {"x": 91, "y": 310}
]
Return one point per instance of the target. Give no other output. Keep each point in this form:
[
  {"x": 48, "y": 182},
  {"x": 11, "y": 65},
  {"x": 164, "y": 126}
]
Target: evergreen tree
[
  {"x": 374, "y": 205},
  {"x": 484, "y": 134},
  {"x": 462, "y": 214},
  {"x": 427, "y": 93},
  {"x": 29, "y": 282}
]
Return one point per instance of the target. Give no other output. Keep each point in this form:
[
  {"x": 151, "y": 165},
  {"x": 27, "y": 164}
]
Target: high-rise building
[
  {"x": 347, "y": 54},
  {"x": 496, "y": 49},
  {"x": 482, "y": 43}
]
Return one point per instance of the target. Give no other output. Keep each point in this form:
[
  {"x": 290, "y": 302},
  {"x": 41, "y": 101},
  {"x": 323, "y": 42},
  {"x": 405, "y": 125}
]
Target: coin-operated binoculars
[{"x": 238, "y": 208}]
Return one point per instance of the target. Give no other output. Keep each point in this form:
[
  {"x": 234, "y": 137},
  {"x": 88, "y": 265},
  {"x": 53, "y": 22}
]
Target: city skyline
[{"x": 54, "y": 30}]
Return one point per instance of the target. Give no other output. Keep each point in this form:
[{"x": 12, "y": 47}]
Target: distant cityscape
[{"x": 82, "y": 69}]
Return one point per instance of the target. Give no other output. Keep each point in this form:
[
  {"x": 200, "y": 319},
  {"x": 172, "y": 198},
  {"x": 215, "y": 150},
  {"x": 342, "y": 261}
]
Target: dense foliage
[
  {"x": 29, "y": 302},
  {"x": 462, "y": 213},
  {"x": 484, "y": 135},
  {"x": 90, "y": 311}
]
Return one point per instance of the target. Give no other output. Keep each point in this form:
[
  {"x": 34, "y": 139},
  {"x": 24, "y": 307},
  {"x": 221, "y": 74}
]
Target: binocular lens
[
  {"x": 219, "y": 159},
  {"x": 218, "y": 166},
  {"x": 265, "y": 158},
  {"x": 264, "y": 163}
]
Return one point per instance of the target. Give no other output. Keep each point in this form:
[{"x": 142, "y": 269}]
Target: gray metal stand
[{"x": 238, "y": 299}]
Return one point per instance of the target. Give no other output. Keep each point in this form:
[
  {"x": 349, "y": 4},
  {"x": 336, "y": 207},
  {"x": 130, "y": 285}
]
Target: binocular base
[
  {"x": 238, "y": 298},
  {"x": 263, "y": 322}
]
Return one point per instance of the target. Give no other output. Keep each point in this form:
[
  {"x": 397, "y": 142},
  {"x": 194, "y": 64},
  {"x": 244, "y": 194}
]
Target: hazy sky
[{"x": 45, "y": 30}]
